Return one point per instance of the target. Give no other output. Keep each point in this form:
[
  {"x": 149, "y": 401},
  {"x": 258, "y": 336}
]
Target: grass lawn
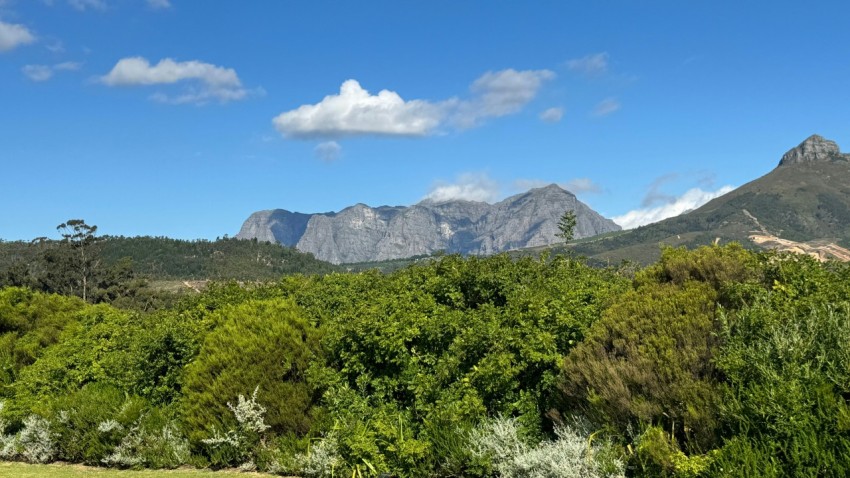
[{"x": 23, "y": 470}]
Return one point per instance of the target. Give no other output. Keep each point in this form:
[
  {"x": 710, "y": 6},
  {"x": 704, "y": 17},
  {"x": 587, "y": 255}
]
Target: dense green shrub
[
  {"x": 29, "y": 323},
  {"x": 266, "y": 344},
  {"x": 90, "y": 422},
  {"x": 649, "y": 360}
]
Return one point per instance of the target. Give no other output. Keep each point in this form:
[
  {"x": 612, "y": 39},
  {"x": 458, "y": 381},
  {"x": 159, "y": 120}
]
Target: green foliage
[
  {"x": 567, "y": 226},
  {"x": 649, "y": 361},
  {"x": 90, "y": 422},
  {"x": 448, "y": 342},
  {"x": 712, "y": 362},
  {"x": 787, "y": 363},
  {"x": 30, "y": 322},
  {"x": 266, "y": 344}
]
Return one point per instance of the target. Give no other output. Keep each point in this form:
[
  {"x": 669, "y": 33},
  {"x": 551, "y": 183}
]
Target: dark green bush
[{"x": 266, "y": 344}]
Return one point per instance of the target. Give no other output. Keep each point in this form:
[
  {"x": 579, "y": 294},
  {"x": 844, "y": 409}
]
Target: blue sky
[{"x": 181, "y": 117}]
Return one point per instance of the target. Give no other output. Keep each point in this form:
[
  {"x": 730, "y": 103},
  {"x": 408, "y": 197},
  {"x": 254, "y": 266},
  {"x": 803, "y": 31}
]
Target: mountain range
[
  {"x": 803, "y": 205},
  {"x": 361, "y": 233}
]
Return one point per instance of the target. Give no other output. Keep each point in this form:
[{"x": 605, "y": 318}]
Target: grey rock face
[
  {"x": 360, "y": 233},
  {"x": 814, "y": 148}
]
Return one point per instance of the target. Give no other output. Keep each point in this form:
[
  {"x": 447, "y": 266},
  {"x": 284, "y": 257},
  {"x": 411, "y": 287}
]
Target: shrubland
[{"x": 711, "y": 362}]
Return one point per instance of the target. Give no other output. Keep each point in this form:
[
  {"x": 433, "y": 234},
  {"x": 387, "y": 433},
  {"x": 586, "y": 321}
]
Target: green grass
[{"x": 24, "y": 470}]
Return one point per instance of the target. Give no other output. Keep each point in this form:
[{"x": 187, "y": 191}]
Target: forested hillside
[{"x": 714, "y": 362}]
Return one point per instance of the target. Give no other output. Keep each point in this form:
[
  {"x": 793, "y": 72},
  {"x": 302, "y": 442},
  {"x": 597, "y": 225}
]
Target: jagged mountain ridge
[
  {"x": 361, "y": 233},
  {"x": 805, "y": 198}
]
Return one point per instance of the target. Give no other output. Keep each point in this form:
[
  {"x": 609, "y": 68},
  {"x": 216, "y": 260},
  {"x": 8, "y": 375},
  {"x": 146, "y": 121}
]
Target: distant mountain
[
  {"x": 803, "y": 203},
  {"x": 361, "y": 233}
]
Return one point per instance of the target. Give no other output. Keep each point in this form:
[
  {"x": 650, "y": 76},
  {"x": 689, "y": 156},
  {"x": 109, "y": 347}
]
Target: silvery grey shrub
[{"x": 571, "y": 455}]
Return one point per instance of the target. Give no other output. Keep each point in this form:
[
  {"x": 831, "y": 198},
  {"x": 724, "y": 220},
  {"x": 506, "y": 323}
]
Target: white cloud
[
  {"x": 590, "y": 64},
  {"x": 37, "y": 72},
  {"x": 500, "y": 93},
  {"x": 552, "y": 115},
  {"x": 159, "y": 4},
  {"x": 208, "y": 81},
  {"x": 692, "y": 199},
  {"x": 14, "y": 35},
  {"x": 468, "y": 186},
  {"x": 329, "y": 151},
  {"x": 606, "y": 107},
  {"x": 356, "y": 112},
  {"x": 575, "y": 186},
  {"x": 46, "y": 72},
  {"x": 83, "y": 5}
]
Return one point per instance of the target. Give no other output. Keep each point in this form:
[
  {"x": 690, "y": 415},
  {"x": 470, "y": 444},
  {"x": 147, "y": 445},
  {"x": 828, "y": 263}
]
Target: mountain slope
[
  {"x": 805, "y": 198},
  {"x": 361, "y": 233}
]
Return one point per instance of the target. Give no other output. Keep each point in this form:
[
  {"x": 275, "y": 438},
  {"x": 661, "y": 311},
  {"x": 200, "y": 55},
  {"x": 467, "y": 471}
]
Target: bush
[
  {"x": 89, "y": 423},
  {"x": 266, "y": 345},
  {"x": 153, "y": 441},
  {"x": 571, "y": 455},
  {"x": 649, "y": 360}
]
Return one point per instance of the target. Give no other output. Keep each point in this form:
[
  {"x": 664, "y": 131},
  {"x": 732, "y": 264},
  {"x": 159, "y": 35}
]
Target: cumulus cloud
[
  {"x": 45, "y": 72},
  {"x": 207, "y": 82},
  {"x": 575, "y": 186},
  {"x": 468, "y": 186},
  {"x": 354, "y": 112},
  {"x": 690, "y": 200},
  {"x": 590, "y": 64},
  {"x": 13, "y": 35},
  {"x": 328, "y": 151},
  {"x": 357, "y": 112},
  {"x": 552, "y": 115},
  {"x": 606, "y": 107}
]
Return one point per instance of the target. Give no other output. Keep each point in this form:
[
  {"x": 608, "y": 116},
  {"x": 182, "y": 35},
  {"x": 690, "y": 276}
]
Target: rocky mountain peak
[
  {"x": 814, "y": 148},
  {"x": 360, "y": 233}
]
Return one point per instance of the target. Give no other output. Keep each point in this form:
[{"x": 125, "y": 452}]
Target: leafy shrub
[
  {"x": 29, "y": 323},
  {"x": 90, "y": 422},
  {"x": 266, "y": 345},
  {"x": 649, "y": 360}
]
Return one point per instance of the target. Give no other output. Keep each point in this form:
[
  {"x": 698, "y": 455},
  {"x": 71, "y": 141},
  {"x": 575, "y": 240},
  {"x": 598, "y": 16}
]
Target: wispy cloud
[
  {"x": 40, "y": 73},
  {"x": 357, "y": 112},
  {"x": 329, "y": 151},
  {"x": 674, "y": 206},
  {"x": 13, "y": 35},
  {"x": 159, "y": 4},
  {"x": 552, "y": 115},
  {"x": 83, "y": 5},
  {"x": 594, "y": 64},
  {"x": 606, "y": 107},
  {"x": 205, "y": 82}
]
